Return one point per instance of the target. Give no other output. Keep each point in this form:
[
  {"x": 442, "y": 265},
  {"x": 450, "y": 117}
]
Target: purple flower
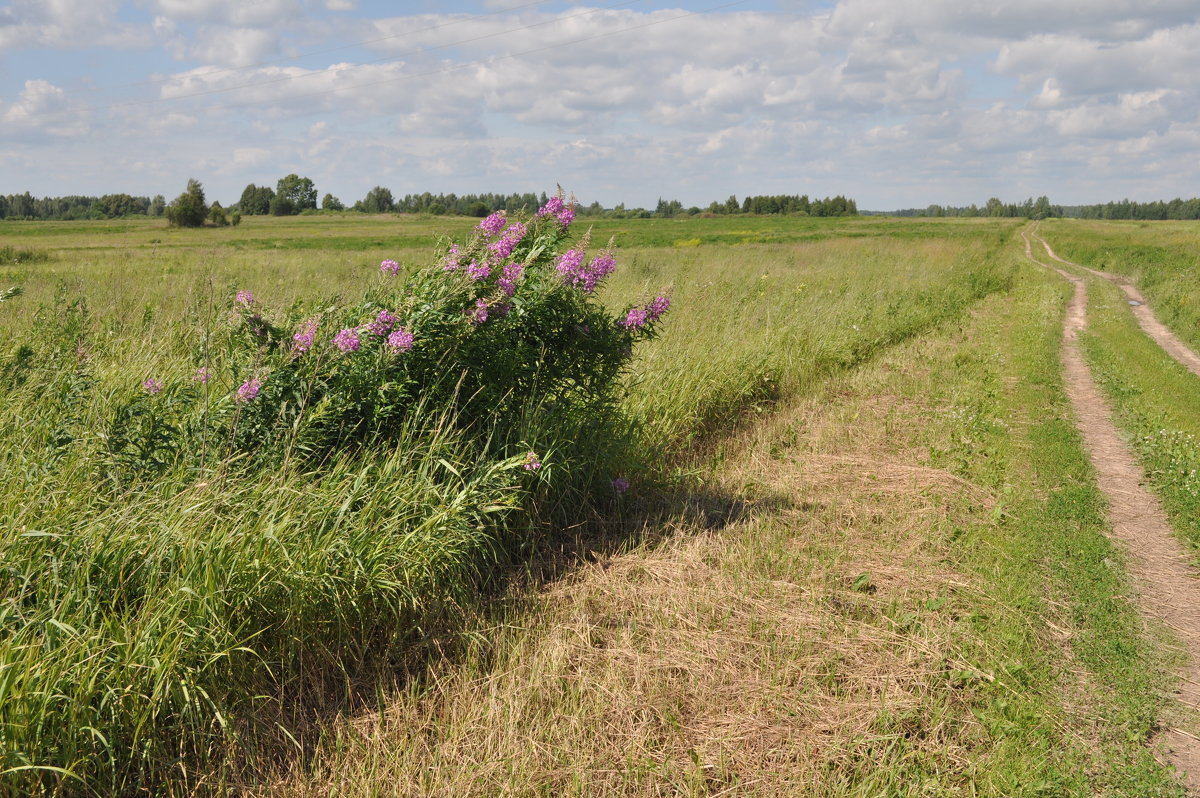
[
  {"x": 656, "y": 309},
  {"x": 508, "y": 278},
  {"x": 480, "y": 314},
  {"x": 570, "y": 265},
  {"x": 244, "y": 298},
  {"x": 390, "y": 266},
  {"x": 401, "y": 340},
  {"x": 635, "y": 318},
  {"x": 506, "y": 244},
  {"x": 347, "y": 340},
  {"x": 566, "y": 216},
  {"x": 303, "y": 340},
  {"x": 451, "y": 263},
  {"x": 248, "y": 390},
  {"x": 479, "y": 271},
  {"x": 383, "y": 323},
  {"x": 620, "y": 484},
  {"x": 493, "y": 224},
  {"x": 552, "y": 207},
  {"x": 201, "y": 376},
  {"x": 532, "y": 463},
  {"x": 639, "y": 317},
  {"x": 152, "y": 386}
]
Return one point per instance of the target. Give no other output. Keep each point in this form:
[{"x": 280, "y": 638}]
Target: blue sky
[{"x": 897, "y": 103}]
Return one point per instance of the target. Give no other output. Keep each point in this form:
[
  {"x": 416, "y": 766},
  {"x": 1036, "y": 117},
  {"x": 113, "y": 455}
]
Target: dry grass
[{"x": 788, "y": 652}]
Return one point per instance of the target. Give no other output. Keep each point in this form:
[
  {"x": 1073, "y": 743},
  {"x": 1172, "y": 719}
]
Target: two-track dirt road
[{"x": 1167, "y": 585}]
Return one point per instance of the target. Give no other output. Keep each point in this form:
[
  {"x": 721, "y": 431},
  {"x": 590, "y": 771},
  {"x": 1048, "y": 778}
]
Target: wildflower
[
  {"x": 480, "y": 314},
  {"x": 509, "y": 276},
  {"x": 504, "y": 247},
  {"x": 566, "y": 216},
  {"x": 501, "y": 309},
  {"x": 248, "y": 390},
  {"x": 532, "y": 463},
  {"x": 634, "y": 319},
  {"x": 493, "y": 224},
  {"x": 244, "y": 298},
  {"x": 303, "y": 340},
  {"x": 201, "y": 376},
  {"x": 390, "y": 266},
  {"x": 479, "y": 271},
  {"x": 451, "y": 263},
  {"x": 600, "y": 267},
  {"x": 570, "y": 264},
  {"x": 656, "y": 309},
  {"x": 383, "y": 323},
  {"x": 620, "y": 484},
  {"x": 401, "y": 340},
  {"x": 347, "y": 340},
  {"x": 152, "y": 386},
  {"x": 552, "y": 207}
]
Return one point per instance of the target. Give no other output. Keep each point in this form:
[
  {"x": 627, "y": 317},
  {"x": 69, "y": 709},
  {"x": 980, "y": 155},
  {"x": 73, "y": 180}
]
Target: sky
[{"x": 895, "y": 103}]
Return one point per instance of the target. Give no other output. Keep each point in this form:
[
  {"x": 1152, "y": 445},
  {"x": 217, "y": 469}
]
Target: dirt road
[{"x": 1167, "y": 586}]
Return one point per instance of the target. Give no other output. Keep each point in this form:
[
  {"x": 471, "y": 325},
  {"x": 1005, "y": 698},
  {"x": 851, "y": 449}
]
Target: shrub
[{"x": 188, "y": 209}]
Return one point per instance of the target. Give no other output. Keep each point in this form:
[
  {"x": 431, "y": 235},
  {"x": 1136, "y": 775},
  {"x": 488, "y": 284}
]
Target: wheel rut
[
  {"x": 1166, "y": 584},
  {"x": 1146, "y": 319}
]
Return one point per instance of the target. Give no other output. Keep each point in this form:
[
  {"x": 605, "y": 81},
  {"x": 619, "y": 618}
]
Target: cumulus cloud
[{"x": 893, "y": 101}]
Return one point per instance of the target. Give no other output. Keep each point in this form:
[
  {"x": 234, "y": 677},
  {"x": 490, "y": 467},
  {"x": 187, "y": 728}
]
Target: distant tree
[
  {"x": 731, "y": 204},
  {"x": 281, "y": 206},
  {"x": 298, "y": 191},
  {"x": 993, "y": 207},
  {"x": 188, "y": 209},
  {"x": 331, "y": 203},
  {"x": 158, "y": 205},
  {"x": 216, "y": 215},
  {"x": 378, "y": 200},
  {"x": 478, "y": 210},
  {"x": 256, "y": 200},
  {"x": 235, "y": 217}
]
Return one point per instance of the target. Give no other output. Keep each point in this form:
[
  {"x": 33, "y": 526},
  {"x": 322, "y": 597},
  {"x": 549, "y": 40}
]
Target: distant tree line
[
  {"x": 1042, "y": 208},
  {"x": 110, "y": 206}
]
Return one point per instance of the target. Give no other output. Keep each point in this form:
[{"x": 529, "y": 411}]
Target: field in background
[{"x": 914, "y": 508}]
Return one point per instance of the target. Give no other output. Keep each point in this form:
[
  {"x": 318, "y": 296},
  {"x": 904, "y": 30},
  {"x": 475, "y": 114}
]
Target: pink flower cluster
[
  {"x": 244, "y": 298},
  {"x": 508, "y": 278},
  {"x": 303, "y": 340},
  {"x": 532, "y": 463},
  {"x": 479, "y": 271},
  {"x": 202, "y": 376},
  {"x": 152, "y": 386},
  {"x": 560, "y": 210},
  {"x": 480, "y": 314},
  {"x": 248, "y": 390},
  {"x": 401, "y": 340},
  {"x": 451, "y": 263},
  {"x": 390, "y": 267},
  {"x": 637, "y": 318},
  {"x": 504, "y": 246},
  {"x": 347, "y": 340},
  {"x": 585, "y": 277},
  {"x": 383, "y": 324},
  {"x": 493, "y": 224}
]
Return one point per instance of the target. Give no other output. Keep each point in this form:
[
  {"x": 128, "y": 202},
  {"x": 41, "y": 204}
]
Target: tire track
[
  {"x": 1169, "y": 341},
  {"x": 1166, "y": 584}
]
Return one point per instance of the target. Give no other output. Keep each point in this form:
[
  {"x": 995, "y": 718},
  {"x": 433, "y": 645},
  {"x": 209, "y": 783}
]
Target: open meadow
[{"x": 277, "y": 521}]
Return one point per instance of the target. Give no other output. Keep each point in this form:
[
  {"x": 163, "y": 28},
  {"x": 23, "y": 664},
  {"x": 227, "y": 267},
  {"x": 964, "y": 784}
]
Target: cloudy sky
[{"x": 897, "y": 103}]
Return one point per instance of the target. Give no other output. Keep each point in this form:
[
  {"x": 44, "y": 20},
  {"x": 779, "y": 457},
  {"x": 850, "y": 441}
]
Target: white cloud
[{"x": 42, "y": 109}]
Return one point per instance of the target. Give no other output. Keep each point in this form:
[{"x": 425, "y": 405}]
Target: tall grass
[{"x": 150, "y": 631}]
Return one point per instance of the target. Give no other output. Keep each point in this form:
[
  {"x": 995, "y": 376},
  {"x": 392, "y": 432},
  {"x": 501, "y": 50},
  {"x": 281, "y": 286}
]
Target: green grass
[
  {"x": 922, "y": 600},
  {"x": 151, "y": 632}
]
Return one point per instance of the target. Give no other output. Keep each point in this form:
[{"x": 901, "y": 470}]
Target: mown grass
[
  {"x": 153, "y": 634},
  {"x": 899, "y": 584}
]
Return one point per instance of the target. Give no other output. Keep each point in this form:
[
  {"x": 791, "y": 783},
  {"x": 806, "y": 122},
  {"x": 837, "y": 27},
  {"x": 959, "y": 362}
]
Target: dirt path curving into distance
[
  {"x": 1168, "y": 340},
  {"x": 1166, "y": 584}
]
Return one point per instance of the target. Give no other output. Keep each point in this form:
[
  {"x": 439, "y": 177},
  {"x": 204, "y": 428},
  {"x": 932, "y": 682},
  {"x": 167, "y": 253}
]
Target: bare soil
[{"x": 1167, "y": 586}]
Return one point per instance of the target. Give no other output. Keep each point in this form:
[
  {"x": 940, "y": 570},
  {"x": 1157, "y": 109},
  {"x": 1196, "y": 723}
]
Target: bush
[{"x": 188, "y": 209}]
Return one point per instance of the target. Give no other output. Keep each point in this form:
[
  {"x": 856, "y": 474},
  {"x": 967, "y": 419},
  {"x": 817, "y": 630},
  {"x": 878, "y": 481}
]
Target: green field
[{"x": 858, "y": 507}]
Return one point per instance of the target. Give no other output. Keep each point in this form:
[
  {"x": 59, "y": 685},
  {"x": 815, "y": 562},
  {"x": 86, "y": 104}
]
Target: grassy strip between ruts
[{"x": 899, "y": 585}]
